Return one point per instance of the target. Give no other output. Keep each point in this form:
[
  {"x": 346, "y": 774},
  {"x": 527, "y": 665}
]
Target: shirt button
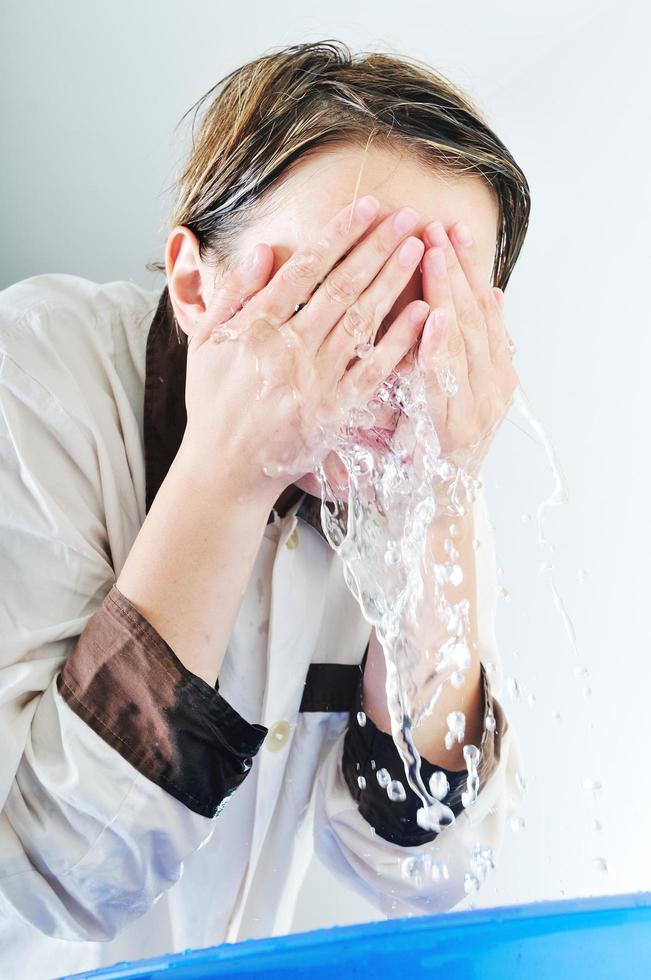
[
  {"x": 277, "y": 735},
  {"x": 292, "y": 540}
]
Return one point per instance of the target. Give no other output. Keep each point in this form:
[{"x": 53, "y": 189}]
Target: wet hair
[{"x": 269, "y": 113}]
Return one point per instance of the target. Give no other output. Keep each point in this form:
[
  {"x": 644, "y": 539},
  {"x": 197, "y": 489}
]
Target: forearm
[
  {"x": 189, "y": 566},
  {"x": 429, "y": 736}
]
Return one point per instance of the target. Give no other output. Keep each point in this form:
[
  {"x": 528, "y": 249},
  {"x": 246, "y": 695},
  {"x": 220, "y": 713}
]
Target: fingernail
[
  {"x": 417, "y": 312},
  {"x": 404, "y": 220},
  {"x": 436, "y": 234},
  {"x": 410, "y": 251},
  {"x": 436, "y": 321},
  {"x": 251, "y": 260},
  {"x": 462, "y": 233},
  {"x": 367, "y": 207}
]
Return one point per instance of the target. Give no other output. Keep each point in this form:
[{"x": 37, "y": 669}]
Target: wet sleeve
[
  {"x": 127, "y": 684},
  {"x": 367, "y": 750},
  {"x": 380, "y": 851},
  {"x": 387, "y": 859}
]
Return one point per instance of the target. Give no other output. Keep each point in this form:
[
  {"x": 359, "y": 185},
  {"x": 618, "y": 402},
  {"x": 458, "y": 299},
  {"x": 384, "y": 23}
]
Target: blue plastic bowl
[{"x": 603, "y": 937}]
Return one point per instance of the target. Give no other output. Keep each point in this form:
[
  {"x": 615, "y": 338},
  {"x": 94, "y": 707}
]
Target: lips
[{"x": 375, "y": 436}]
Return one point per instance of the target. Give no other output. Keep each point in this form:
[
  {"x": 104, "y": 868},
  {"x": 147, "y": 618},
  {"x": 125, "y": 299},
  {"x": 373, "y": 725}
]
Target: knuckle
[
  {"x": 456, "y": 343},
  {"x": 265, "y": 318},
  {"x": 383, "y": 243},
  {"x": 468, "y": 319},
  {"x": 340, "y": 287},
  {"x": 487, "y": 301},
  {"x": 303, "y": 267},
  {"x": 358, "y": 320}
]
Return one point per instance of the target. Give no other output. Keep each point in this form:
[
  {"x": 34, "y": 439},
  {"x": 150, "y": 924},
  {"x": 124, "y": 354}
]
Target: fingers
[
  {"x": 361, "y": 382},
  {"x": 341, "y": 291},
  {"x": 295, "y": 281},
  {"x": 433, "y": 363},
  {"x": 237, "y": 287},
  {"x": 361, "y": 321},
  {"x": 462, "y": 275},
  {"x": 451, "y": 367}
]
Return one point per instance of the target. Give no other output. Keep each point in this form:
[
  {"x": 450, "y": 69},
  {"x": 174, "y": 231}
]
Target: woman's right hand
[{"x": 266, "y": 385}]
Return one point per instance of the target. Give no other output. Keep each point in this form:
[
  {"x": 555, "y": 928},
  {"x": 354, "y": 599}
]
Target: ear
[{"x": 190, "y": 281}]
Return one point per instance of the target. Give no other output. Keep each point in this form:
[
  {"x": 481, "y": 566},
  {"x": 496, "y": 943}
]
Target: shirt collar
[{"x": 165, "y": 418}]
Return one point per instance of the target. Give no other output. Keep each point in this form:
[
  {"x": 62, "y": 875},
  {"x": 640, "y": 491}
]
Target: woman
[{"x": 182, "y": 661}]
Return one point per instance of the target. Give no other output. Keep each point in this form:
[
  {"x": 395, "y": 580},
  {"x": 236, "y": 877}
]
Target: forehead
[{"x": 321, "y": 183}]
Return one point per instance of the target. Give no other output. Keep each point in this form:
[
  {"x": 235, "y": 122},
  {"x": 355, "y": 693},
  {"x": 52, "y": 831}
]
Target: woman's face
[{"x": 320, "y": 185}]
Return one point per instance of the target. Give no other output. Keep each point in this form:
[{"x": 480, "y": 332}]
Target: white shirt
[{"x": 98, "y": 863}]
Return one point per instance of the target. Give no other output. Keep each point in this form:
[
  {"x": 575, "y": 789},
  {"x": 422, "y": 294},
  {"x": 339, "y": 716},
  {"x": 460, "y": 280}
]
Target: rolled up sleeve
[
  {"x": 367, "y": 750},
  {"x": 129, "y": 686}
]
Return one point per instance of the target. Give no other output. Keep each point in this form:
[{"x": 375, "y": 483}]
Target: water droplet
[
  {"x": 582, "y": 574},
  {"x": 517, "y": 824},
  {"x": 458, "y": 678},
  {"x": 361, "y": 782},
  {"x": 438, "y": 785},
  {"x": 391, "y": 556},
  {"x": 504, "y": 594},
  {"x": 513, "y": 687},
  {"x": 531, "y": 700},
  {"x": 439, "y": 871},
  {"x": 447, "y": 381},
  {"x": 470, "y": 884},
  {"x": 454, "y": 530},
  {"x": 587, "y": 691},
  {"x": 591, "y": 785},
  {"x": 448, "y": 572},
  {"x": 521, "y": 782},
  {"x": 596, "y": 824},
  {"x": 545, "y": 566},
  {"x": 383, "y": 778},
  {"x": 413, "y": 869},
  {"x": 482, "y": 861},
  {"x": 363, "y": 349},
  {"x": 476, "y": 543},
  {"x": 456, "y": 722},
  {"x": 471, "y": 755},
  {"x": 556, "y": 715},
  {"x": 526, "y": 518},
  {"x": 462, "y": 655},
  {"x": 600, "y": 864},
  {"x": 361, "y": 719},
  {"x": 396, "y": 791}
]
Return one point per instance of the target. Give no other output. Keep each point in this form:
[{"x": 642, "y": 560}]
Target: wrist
[{"x": 218, "y": 476}]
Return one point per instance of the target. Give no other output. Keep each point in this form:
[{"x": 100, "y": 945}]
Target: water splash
[{"x": 398, "y": 484}]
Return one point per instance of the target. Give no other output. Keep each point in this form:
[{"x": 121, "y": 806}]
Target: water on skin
[{"x": 383, "y": 547}]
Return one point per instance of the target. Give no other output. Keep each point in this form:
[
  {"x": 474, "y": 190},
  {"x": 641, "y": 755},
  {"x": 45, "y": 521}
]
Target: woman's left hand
[{"x": 465, "y": 356}]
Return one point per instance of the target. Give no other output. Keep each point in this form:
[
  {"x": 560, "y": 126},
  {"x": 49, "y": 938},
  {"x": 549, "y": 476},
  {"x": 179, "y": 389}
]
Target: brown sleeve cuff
[
  {"x": 367, "y": 750},
  {"x": 129, "y": 686}
]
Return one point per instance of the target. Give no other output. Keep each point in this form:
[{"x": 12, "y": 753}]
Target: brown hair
[{"x": 263, "y": 116}]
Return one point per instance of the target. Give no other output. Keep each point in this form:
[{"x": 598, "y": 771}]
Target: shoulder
[
  {"x": 61, "y": 302},
  {"x": 66, "y": 332}
]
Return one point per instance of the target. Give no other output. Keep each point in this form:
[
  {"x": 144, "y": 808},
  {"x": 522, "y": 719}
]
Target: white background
[{"x": 91, "y": 93}]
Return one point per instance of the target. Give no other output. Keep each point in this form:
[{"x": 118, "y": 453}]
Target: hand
[
  {"x": 467, "y": 348},
  {"x": 266, "y": 382}
]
